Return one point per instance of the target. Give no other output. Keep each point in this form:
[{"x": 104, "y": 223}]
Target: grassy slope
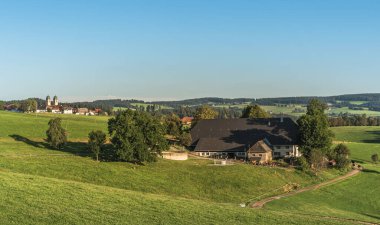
[
  {"x": 64, "y": 188},
  {"x": 356, "y": 198},
  {"x": 194, "y": 178},
  {"x": 33, "y": 126},
  {"x": 357, "y": 134},
  {"x": 40, "y": 200}
]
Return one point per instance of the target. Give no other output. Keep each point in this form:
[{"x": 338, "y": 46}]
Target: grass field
[
  {"x": 357, "y": 134},
  {"x": 355, "y": 102},
  {"x": 354, "y": 112},
  {"x": 41, "y": 185},
  {"x": 356, "y": 198},
  {"x": 27, "y": 199},
  {"x": 44, "y": 186},
  {"x": 292, "y": 110},
  {"x": 26, "y": 152}
]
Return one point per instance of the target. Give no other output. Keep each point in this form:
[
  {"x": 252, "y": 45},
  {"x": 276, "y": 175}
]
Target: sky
[{"x": 176, "y": 49}]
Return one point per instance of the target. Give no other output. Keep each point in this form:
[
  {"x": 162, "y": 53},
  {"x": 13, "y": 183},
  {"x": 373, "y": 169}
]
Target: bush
[
  {"x": 282, "y": 163},
  {"x": 340, "y": 154},
  {"x": 303, "y": 164},
  {"x": 375, "y": 158},
  {"x": 342, "y": 162},
  {"x": 316, "y": 159}
]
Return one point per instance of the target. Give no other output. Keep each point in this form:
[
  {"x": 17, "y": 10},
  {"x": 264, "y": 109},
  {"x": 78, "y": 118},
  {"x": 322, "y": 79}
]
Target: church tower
[
  {"x": 55, "y": 100},
  {"x": 48, "y": 101}
]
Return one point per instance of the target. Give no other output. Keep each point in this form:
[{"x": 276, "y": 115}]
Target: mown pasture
[
  {"x": 356, "y": 198},
  {"x": 44, "y": 186}
]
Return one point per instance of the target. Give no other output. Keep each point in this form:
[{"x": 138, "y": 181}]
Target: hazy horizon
[
  {"x": 172, "y": 50},
  {"x": 70, "y": 99}
]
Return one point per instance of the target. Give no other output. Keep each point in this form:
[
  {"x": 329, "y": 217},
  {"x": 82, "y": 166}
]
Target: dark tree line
[{"x": 354, "y": 120}]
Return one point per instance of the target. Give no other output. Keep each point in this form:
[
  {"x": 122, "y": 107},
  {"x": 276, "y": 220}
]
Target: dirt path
[{"x": 261, "y": 203}]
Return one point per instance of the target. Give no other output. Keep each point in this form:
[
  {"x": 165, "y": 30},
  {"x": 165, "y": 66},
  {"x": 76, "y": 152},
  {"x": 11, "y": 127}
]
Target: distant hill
[
  {"x": 272, "y": 101},
  {"x": 370, "y": 100}
]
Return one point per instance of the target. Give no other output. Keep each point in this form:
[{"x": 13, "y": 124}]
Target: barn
[{"x": 246, "y": 138}]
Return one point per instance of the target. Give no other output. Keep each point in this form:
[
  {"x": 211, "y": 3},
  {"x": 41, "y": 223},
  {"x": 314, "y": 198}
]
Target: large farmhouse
[{"x": 254, "y": 139}]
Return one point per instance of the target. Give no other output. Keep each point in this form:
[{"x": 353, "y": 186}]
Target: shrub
[
  {"x": 340, "y": 154},
  {"x": 303, "y": 164},
  {"x": 342, "y": 162},
  {"x": 316, "y": 159},
  {"x": 375, "y": 158}
]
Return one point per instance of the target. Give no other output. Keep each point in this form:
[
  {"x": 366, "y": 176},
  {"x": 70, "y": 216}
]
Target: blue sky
[{"x": 84, "y": 50}]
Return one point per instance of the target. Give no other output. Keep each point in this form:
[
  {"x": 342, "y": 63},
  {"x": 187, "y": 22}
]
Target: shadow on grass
[
  {"x": 357, "y": 161},
  {"x": 371, "y": 171},
  {"x": 372, "y": 216},
  {"x": 375, "y": 140},
  {"x": 76, "y": 148}
]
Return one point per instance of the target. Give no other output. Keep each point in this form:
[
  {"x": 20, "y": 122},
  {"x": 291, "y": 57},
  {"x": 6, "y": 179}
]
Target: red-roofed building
[{"x": 187, "y": 120}]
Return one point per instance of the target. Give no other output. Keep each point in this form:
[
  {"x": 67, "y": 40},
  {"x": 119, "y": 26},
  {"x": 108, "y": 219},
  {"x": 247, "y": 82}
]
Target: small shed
[{"x": 175, "y": 155}]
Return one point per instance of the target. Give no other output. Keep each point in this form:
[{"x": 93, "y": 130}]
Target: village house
[
  {"x": 81, "y": 111},
  {"x": 259, "y": 140},
  {"x": 68, "y": 110},
  {"x": 187, "y": 120}
]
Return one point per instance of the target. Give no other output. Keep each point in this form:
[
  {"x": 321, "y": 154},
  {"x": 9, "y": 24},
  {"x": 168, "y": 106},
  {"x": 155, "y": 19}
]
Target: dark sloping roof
[
  {"x": 218, "y": 145},
  {"x": 240, "y": 134}
]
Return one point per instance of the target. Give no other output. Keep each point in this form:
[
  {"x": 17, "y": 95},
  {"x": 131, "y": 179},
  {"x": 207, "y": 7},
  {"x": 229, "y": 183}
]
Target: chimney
[
  {"x": 269, "y": 123},
  {"x": 282, "y": 118}
]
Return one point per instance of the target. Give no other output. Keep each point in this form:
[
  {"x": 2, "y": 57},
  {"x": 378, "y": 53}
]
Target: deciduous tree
[
  {"x": 205, "y": 112},
  {"x": 137, "y": 136},
  {"x": 96, "y": 141},
  {"x": 173, "y": 125},
  {"x": 185, "y": 139},
  {"x": 56, "y": 135},
  {"x": 254, "y": 111},
  {"x": 29, "y": 105},
  {"x": 314, "y": 129}
]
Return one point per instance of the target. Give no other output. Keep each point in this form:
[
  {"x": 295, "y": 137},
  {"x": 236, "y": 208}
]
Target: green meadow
[
  {"x": 356, "y": 198},
  {"x": 44, "y": 186},
  {"x": 294, "y": 110}
]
